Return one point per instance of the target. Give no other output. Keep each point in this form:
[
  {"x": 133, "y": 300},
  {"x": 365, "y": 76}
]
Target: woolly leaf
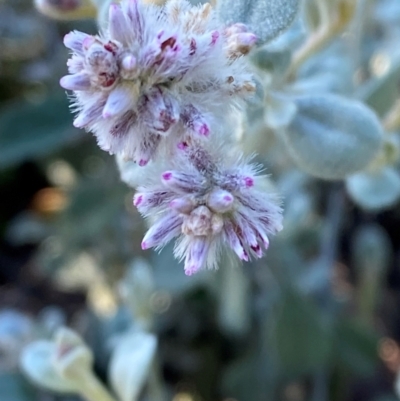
[
  {"x": 266, "y": 18},
  {"x": 130, "y": 364},
  {"x": 371, "y": 254},
  {"x": 29, "y": 131},
  {"x": 279, "y": 111},
  {"x": 332, "y": 137},
  {"x": 36, "y": 363},
  {"x": 355, "y": 347},
  {"x": 303, "y": 339},
  {"x": 14, "y": 388},
  {"x": 380, "y": 93},
  {"x": 375, "y": 191}
]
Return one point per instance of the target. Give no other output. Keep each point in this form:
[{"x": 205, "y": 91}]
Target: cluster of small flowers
[{"x": 171, "y": 75}]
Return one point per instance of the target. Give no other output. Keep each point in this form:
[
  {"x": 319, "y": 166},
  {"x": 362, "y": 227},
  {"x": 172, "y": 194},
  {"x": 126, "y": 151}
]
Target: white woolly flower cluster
[
  {"x": 172, "y": 75},
  {"x": 157, "y": 72},
  {"x": 209, "y": 202}
]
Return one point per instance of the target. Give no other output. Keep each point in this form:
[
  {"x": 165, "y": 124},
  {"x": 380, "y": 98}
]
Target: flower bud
[{"x": 71, "y": 354}]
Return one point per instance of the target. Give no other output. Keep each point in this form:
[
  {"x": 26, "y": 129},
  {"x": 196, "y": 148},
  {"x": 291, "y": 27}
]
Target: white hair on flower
[{"x": 157, "y": 71}]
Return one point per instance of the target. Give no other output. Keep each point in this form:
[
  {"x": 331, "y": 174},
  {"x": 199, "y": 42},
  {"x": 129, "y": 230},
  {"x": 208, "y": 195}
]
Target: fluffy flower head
[
  {"x": 156, "y": 70},
  {"x": 210, "y": 203}
]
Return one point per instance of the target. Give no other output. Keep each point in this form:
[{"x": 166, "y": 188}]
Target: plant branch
[
  {"x": 93, "y": 389},
  {"x": 391, "y": 121},
  {"x": 328, "y": 30}
]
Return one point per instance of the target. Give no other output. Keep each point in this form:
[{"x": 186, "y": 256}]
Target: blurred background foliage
[{"x": 318, "y": 319}]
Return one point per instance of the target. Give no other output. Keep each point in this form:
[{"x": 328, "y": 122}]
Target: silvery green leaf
[
  {"x": 13, "y": 387},
  {"x": 271, "y": 61},
  {"x": 289, "y": 40},
  {"x": 371, "y": 249},
  {"x": 371, "y": 254},
  {"x": 303, "y": 335},
  {"x": 256, "y": 134},
  {"x": 375, "y": 191},
  {"x": 26, "y": 228},
  {"x": 328, "y": 71},
  {"x": 136, "y": 289},
  {"x": 234, "y": 299},
  {"x": 387, "y": 12},
  {"x": 310, "y": 14},
  {"x": 298, "y": 214},
  {"x": 130, "y": 364},
  {"x": 36, "y": 363},
  {"x": 279, "y": 111},
  {"x": 380, "y": 93},
  {"x": 33, "y": 130},
  {"x": 332, "y": 137},
  {"x": 266, "y": 18}
]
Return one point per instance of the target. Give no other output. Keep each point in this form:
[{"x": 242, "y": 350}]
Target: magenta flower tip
[
  {"x": 144, "y": 245},
  {"x": 191, "y": 270},
  {"x": 182, "y": 145},
  {"x": 249, "y": 182},
  {"x": 143, "y": 162},
  {"x": 214, "y": 37},
  {"x": 167, "y": 176},
  {"x": 137, "y": 200},
  {"x": 204, "y": 130}
]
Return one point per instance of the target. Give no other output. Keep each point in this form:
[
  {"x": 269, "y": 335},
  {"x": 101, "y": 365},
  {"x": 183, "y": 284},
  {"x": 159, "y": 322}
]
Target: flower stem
[
  {"x": 324, "y": 34},
  {"x": 391, "y": 121},
  {"x": 92, "y": 389}
]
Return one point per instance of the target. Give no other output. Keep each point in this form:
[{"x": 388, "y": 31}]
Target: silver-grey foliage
[
  {"x": 331, "y": 136},
  {"x": 266, "y": 18}
]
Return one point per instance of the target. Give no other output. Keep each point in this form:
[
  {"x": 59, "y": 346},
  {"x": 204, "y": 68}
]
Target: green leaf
[
  {"x": 380, "y": 93},
  {"x": 93, "y": 206},
  {"x": 30, "y": 131},
  {"x": 266, "y": 18},
  {"x": 303, "y": 336},
  {"x": 14, "y": 388},
  {"x": 375, "y": 190},
  {"x": 356, "y": 347},
  {"x": 331, "y": 136}
]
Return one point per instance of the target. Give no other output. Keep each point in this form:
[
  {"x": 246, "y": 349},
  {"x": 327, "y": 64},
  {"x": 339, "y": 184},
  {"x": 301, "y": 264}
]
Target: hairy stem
[
  {"x": 93, "y": 389},
  {"x": 329, "y": 29},
  {"x": 391, "y": 121}
]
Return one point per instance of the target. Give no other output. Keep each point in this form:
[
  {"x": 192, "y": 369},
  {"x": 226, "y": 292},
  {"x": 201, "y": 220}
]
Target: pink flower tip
[
  {"x": 250, "y": 39},
  {"x": 63, "y": 81},
  {"x": 167, "y": 176},
  {"x": 67, "y": 37},
  {"x": 191, "y": 270},
  {"x": 244, "y": 256},
  {"x": 214, "y": 37},
  {"x": 228, "y": 198},
  {"x": 182, "y": 146},
  {"x": 204, "y": 130},
  {"x": 77, "y": 124},
  {"x": 145, "y": 245},
  {"x": 87, "y": 42},
  {"x": 174, "y": 204},
  {"x": 143, "y": 162},
  {"x": 249, "y": 182},
  {"x": 137, "y": 200},
  {"x": 257, "y": 250}
]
